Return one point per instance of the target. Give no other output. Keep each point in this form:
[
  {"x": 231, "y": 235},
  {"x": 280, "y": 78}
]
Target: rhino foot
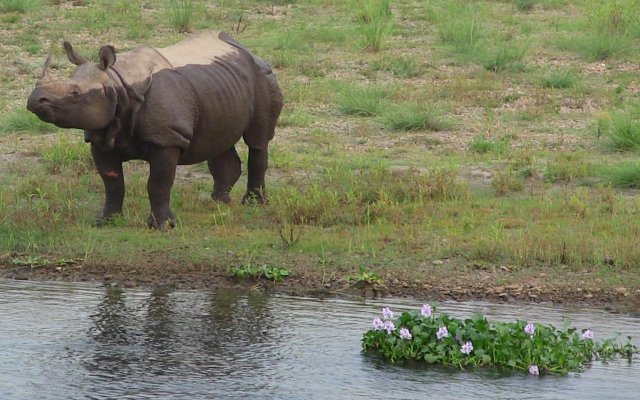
[
  {"x": 107, "y": 219},
  {"x": 221, "y": 198},
  {"x": 162, "y": 224},
  {"x": 257, "y": 197}
]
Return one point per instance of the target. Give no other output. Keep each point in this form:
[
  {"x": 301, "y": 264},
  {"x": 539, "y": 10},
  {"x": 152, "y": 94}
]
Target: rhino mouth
[{"x": 46, "y": 112}]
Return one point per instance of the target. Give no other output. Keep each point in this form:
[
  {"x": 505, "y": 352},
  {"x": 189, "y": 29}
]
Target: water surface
[{"x": 77, "y": 341}]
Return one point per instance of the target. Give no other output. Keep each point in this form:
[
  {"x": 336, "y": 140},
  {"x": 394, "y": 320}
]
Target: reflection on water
[{"x": 71, "y": 341}]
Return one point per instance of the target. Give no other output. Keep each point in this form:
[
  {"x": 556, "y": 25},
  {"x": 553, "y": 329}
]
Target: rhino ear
[
  {"x": 107, "y": 57},
  {"x": 72, "y": 55}
]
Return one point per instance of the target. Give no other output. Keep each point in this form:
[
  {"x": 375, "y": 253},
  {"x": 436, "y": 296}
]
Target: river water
[{"x": 78, "y": 341}]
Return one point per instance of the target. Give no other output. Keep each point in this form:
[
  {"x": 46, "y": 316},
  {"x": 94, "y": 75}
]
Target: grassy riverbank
[{"x": 484, "y": 149}]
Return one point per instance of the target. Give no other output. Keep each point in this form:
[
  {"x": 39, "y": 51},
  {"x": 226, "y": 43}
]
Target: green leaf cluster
[{"x": 249, "y": 271}]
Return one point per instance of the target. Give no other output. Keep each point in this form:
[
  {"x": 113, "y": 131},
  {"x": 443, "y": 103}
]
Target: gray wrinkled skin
[{"x": 183, "y": 104}]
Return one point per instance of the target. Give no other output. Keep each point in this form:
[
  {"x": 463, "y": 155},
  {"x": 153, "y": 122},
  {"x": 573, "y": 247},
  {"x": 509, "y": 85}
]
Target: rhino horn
[
  {"x": 46, "y": 69},
  {"x": 73, "y": 55}
]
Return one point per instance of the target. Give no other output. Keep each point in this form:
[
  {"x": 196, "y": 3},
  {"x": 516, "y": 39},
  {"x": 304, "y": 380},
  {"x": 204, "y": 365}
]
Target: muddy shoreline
[{"x": 576, "y": 289}]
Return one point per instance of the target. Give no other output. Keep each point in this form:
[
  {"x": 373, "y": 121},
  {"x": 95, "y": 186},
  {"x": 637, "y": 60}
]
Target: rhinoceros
[{"x": 177, "y": 105}]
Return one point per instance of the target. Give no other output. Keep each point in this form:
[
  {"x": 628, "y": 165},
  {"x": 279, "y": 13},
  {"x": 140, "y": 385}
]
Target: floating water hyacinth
[
  {"x": 522, "y": 346},
  {"x": 426, "y": 310},
  {"x": 588, "y": 334},
  {"x": 405, "y": 334},
  {"x": 530, "y": 329}
]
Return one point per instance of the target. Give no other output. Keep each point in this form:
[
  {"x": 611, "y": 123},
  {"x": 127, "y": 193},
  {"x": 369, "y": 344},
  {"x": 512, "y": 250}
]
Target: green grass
[
  {"x": 356, "y": 177},
  {"x": 598, "y": 46},
  {"x": 21, "y": 120},
  {"x": 365, "y": 100},
  {"x": 525, "y": 5},
  {"x": 624, "y": 175},
  {"x": 560, "y": 79},
  {"x": 623, "y": 133},
  {"x": 414, "y": 117},
  {"x": 402, "y": 67},
  {"x": 505, "y": 55},
  {"x": 18, "y": 6},
  {"x": 181, "y": 14},
  {"x": 461, "y": 26},
  {"x": 482, "y": 145}
]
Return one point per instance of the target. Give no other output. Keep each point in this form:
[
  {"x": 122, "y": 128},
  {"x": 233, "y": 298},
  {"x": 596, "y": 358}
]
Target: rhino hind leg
[
  {"x": 225, "y": 169},
  {"x": 261, "y": 131}
]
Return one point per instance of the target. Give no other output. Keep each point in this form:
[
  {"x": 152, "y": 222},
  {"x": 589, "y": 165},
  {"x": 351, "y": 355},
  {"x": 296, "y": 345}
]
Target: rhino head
[{"x": 86, "y": 101}]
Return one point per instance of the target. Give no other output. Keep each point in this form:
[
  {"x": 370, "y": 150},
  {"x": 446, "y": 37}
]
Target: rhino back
[{"x": 205, "y": 102}]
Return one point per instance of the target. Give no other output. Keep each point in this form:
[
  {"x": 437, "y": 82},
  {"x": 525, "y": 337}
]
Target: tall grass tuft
[
  {"x": 375, "y": 22},
  {"x": 624, "y": 175},
  {"x": 525, "y": 5},
  {"x": 181, "y": 14},
  {"x": 560, "y": 79},
  {"x": 461, "y": 26},
  {"x": 18, "y": 6},
  {"x": 505, "y": 54},
  {"x": 403, "y": 66},
  {"x": 362, "y": 100},
  {"x": 22, "y": 120},
  {"x": 414, "y": 117},
  {"x": 623, "y": 133}
]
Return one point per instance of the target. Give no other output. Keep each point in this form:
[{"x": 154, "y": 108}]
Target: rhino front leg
[
  {"x": 110, "y": 170},
  {"x": 162, "y": 171},
  {"x": 257, "y": 167}
]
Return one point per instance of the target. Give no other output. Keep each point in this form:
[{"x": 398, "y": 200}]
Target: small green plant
[
  {"x": 506, "y": 181},
  {"x": 482, "y": 145},
  {"x": 249, "y": 271},
  {"x": 475, "y": 342},
  {"x": 364, "y": 276},
  {"x": 414, "y": 117},
  {"x": 181, "y": 14},
  {"x": 560, "y": 79}
]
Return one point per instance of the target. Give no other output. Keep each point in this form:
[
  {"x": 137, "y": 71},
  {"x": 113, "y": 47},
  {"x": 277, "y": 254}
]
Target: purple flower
[
  {"x": 442, "y": 332},
  {"x": 588, "y": 334},
  {"x": 426, "y": 310},
  {"x": 533, "y": 370},
  {"x": 377, "y": 324},
  {"x": 405, "y": 334},
  {"x": 466, "y": 348},
  {"x": 387, "y": 313},
  {"x": 529, "y": 329},
  {"x": 388, "y": 326}
]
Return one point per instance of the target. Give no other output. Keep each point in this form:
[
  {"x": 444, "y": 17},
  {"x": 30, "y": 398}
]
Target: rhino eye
[{"x": 75, "y": 93}]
